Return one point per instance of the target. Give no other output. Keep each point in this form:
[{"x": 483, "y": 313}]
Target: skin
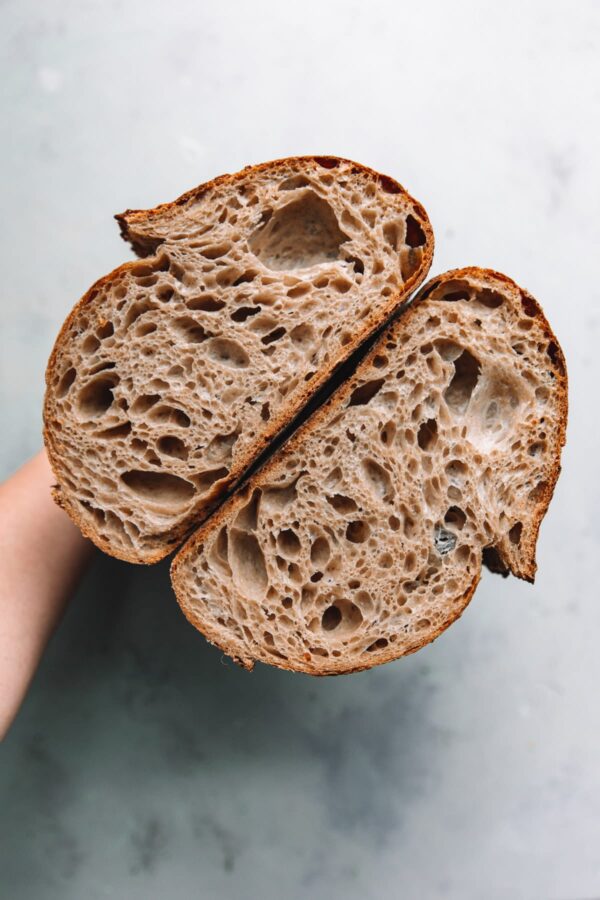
[{"x": 42, "y": 556}]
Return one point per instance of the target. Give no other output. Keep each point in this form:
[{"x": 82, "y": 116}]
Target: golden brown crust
[
  {"x": 294, "y": 443},
  {"x": 277, "y": 424}
]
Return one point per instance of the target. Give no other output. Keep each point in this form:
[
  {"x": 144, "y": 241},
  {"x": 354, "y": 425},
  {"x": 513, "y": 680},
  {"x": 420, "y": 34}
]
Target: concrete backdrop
[{"x": 143, "y": 765}]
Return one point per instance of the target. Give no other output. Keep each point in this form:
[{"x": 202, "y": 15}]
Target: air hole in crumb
[
  {"x": 247, "y": 518},
  {"x": 161, "y": 487},
  {"x": 377, "y": 478},
  {"x": 293, "y": 183},
  {"x": 303, "y": 336},
  {"x": 117, "y": 431},
  {"x": 492, "y": 560},
  {"x": 415, "y": 236},
  {"x": 145, "y": 328},
  {"x": 205, "y": 303},
  {"x": 142, "y": 269},
  {"x": 244, "y": 312},
  {"x": 514, "y": 535},
  {"x": 328, "y": 162},
  {"x": 135, "y": 311},
  {"x": 277, "y": 497},
  {"x": 287, "y": 602},
  {"x": 101, "y": 367},
  {"x": 357, "y": 264},
  {"x": 342, "y": 616},
  {"x": 466, "y": 373},
  {"x": 169, "y": 415},
  {"x": 294, "y": 573},
  {"x": 263, "y": 324},
  {"x": 228, "y": 353},
  {"x": 341, "y": 504},
  {"x": 391, "y": 233},
  {"x": 247, "y": 564},
  {"x": 529, "y": 306},
  {"x": 536, "y": 448},
  {"x": 190, "y": 331},
  {"x": 274, "y": 335},
  {"x": 205, "y": 480},
  {"x": 333, "y": 478},
  {"x": 97, "y": 396},
  {"x": 365, "y": 392},
  {"x": 379, "y": 644},
  {"x": 298, "y": 291},
  {"x": 388, "y": 433},
  {"x": 214, "y": 251},
  {"x": 246, "y": 277},
  {"x": 448, "y": 350},
  {"x": 65, "y": 382},
  {"x": 455, "y": 296},
  {"x": 554, "y": 353},
  {"x": 288, "y": 543},
  {"x": 357, "y": 532},
  {"x": 226, "y": 276},
  {"x": 388, "y": 185},
  {"x": 491, "y": 299},
  {"x": 455, "y": 517},
  {"x": 341, "y": 285},
  {"x": 320, "y": 551},
  {"x": 144, "y": 402},
  {"x": 331, "y": 618},
  {"x": 457, "y": 470},
  {"x": 164, "y": 292},
  {"x": 303, "y": 233},
  {"x": 105, "y": 330},
  {"x": 90, "y": 344},
  {"x": 172, "y": 446},
  {"x": 427, "y": 434}
]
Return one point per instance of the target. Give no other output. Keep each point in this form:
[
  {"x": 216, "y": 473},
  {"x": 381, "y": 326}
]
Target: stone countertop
[{"x": 145, "y": 765}]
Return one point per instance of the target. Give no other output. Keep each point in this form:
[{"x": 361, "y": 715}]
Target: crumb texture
[
  {"x": 174, "y": 371},
  {"x": 364, "y": 538}
]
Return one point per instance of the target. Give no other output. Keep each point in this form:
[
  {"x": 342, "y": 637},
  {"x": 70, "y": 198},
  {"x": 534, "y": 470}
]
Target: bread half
[
  {"x": 173, "y": 373},
  {"x": 363, "y": 538}
]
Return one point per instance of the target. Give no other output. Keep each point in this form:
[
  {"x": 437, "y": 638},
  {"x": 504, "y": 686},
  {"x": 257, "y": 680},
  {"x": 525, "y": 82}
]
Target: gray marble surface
[{"x": 143, "y": 765}]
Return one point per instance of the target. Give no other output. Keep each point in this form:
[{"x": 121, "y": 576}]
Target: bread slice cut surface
[
  {"x": 363, "y": 538},
  {"x": 174, "y": 372}
]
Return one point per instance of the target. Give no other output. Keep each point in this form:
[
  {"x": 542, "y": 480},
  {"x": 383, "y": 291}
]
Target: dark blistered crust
[
  {"x": 127, "y": 221},
  {"x": 338, "y": 399}
]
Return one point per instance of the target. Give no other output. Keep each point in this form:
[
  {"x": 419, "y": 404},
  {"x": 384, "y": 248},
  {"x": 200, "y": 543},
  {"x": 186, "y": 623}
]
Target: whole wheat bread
[
  {"x": 363, "y": 538},
  {"x": 173, "y": 373}
]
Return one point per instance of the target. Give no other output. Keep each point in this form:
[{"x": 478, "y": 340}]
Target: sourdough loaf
[
  {"x": 363, "y": 538},
  {"x": 173, "y": 373}
]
